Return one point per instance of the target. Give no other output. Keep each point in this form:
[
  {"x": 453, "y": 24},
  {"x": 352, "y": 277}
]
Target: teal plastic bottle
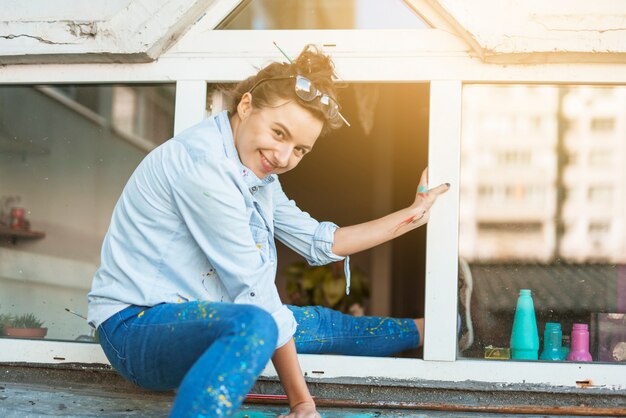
[
  {"x": 525, "y": 337},
  {"x": 552, "y": 340}
]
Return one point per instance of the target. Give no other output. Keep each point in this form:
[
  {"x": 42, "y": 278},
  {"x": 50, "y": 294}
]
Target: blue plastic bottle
[
  {"x": 525, "y": 337},
  {"x": 552, "y": 340}
]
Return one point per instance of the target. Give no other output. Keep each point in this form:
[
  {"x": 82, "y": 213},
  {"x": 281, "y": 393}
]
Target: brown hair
[{"x": 312, "y": 64}]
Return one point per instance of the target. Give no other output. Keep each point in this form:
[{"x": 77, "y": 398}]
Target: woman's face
[{"x": 273, "y": 140}]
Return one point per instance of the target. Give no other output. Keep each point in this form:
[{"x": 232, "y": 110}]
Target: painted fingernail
[
  {"x": 448, "y": 184},
  {"x": 422, "y": 189}
]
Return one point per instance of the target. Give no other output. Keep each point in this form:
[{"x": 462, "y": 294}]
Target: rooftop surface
[
  {"x": 33, "y": 391},
  {"x": 34, "y": 401}
]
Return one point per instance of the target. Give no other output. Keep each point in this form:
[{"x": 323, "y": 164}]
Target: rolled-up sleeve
[{"x": 299, "y": 231}]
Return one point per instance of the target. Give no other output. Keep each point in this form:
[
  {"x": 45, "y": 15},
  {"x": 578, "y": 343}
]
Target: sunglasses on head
[{"x": 304, "y": 89}]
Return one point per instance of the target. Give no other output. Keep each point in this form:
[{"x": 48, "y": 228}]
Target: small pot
[{"x": 25, "y": 332}]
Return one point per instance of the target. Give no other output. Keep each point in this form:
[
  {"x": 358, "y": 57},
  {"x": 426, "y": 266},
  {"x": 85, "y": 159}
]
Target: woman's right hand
[{"x": 302, "y": 410}]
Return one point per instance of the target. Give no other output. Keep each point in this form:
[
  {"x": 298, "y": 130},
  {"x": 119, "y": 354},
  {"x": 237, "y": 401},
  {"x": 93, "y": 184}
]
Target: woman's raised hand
[{"x": 425, "y": 198}]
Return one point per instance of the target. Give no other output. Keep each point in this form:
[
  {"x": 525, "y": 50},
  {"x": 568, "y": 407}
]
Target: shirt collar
[{"x": 251, "y": 179}]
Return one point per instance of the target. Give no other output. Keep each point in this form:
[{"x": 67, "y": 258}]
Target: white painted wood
[
  {"x": 216, "y": 12},
  {"x": 138, "y": 32},
  {"x": 443, "y": 231},
  {"x": 367, "y": 55},
  {"x": 557, "y": 27},
  {"x": 356, "y": 42},
  {"x": 190, "y": 107},
  {"x": 437, "y": 16},
  {"x": 607, "y": 376},
  {"x": 50, "y": 352},
  {"x": 44, "y": 10}
]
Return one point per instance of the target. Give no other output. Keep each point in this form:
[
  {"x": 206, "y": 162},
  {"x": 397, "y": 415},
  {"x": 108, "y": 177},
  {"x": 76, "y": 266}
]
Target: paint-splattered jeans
[
  {"x": 326, "y": 331},
  {"x": 213, "y": 352}
]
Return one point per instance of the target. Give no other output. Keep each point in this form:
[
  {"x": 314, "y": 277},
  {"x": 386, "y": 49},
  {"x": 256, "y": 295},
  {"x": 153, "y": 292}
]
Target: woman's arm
[
  {"x": 300, "y": 401},
  {"x": 352, "y": 239}
]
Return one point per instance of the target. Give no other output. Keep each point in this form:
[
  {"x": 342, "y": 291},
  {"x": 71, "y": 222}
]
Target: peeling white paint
[
  {"x": 515, "y": 32},
  {"x": 129, "y": 31},
  {"x": 556, "y": 31}
]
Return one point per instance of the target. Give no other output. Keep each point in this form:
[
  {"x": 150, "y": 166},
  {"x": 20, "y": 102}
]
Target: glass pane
[
  {"x": 65, "y": 154},
  {"x": 323, "y": 14},
  {"x": 543, "y": 207}
]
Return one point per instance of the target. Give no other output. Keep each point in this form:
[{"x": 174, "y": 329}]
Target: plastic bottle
[
  {"x": 525, "y": 337},
  {"x": 580, "y": 343},
  {"x": 552, "y": 340},
  {"x": 565, "y": 347}
]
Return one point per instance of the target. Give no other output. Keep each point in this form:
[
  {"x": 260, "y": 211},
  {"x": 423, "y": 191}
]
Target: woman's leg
[
  {"x": 324, "y": 330},
  {"x": 213, "y": 352}
]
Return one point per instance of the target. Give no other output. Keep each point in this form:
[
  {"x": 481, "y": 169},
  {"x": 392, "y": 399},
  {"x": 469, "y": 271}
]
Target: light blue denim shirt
[{"x": 193, "y": 223}]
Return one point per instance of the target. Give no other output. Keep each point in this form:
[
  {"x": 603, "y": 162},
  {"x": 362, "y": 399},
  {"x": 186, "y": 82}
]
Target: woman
[{"x": 185, "y": 295}]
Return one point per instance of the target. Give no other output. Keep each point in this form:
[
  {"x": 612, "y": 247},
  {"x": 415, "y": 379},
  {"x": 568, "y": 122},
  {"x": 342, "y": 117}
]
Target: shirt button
[
  {"x": 252, "y": 294},
  {"x": 253, "y": 189}
]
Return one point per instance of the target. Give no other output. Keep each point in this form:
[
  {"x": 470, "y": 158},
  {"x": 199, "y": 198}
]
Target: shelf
[{"x": 14, "y": 234}]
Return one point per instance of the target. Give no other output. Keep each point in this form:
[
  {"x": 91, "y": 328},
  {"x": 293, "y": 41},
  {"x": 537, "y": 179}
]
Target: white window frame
[{"x": 425, "y": 55}]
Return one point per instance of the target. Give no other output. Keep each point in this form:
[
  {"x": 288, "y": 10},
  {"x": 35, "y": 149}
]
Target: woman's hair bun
[{"x": 313, "y": 62}]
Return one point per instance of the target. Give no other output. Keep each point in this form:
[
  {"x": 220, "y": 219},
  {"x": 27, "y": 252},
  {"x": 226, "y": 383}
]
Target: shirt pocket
[{"x": 260, "y": 235}]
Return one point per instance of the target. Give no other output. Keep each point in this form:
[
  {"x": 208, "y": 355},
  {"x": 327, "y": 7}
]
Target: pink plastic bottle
[{"x": 580, "y": 343}]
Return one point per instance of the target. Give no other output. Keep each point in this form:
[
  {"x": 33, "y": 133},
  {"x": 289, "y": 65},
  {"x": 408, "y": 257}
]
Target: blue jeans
[{"x": 213, "y": 352}]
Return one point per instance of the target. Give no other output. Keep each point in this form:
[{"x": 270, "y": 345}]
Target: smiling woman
[{"x": 191, "y": 250}]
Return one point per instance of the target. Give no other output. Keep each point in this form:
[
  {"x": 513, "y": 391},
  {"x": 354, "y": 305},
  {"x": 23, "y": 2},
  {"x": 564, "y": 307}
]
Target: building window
[
  {"x": 600, "y": 194},
  {"x": 508, "y": 227},
  {"x": 599, "y": 228},
  {"x": 514, "y": 157},
  {"x": 602, "y": 124}
]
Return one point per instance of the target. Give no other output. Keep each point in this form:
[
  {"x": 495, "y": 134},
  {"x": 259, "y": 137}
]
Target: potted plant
[
  {"x": 24, "y": 326},
  {"x": 4, "y": 321},
  {"x": 326, "y": 286}
]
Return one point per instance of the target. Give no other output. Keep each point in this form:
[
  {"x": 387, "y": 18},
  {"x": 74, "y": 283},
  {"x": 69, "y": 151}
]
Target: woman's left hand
[
  {"x": 425, "y": 198},
  {"x": 302, "y": 410}
]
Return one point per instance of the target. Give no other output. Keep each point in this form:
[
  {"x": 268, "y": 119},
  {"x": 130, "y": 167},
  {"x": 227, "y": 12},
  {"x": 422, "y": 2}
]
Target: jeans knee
[
  {"x": 330, "y": 318},
  {"x": 258, "y": 323}
]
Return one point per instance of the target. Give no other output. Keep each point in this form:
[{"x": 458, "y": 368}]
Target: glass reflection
[
  {"x": 65, "y": 154},
  {"x": 543, "y": 207},
  {"x": 323, "y": 14}
]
